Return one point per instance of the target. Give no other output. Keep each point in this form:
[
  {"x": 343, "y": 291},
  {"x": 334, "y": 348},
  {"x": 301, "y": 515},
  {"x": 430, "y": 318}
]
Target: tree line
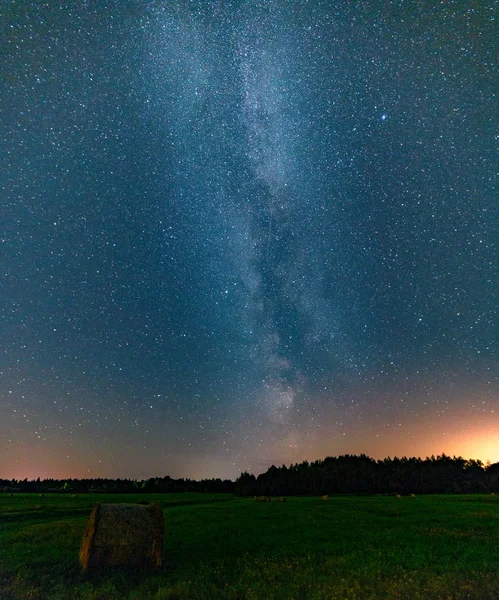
[
  {"x": 117, "y": 486},
  {"x": 344, "y": 474},
  {"x": 349, "y": 474}
]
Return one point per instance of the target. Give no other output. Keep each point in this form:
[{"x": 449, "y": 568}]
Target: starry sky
[{"x": 244, "y": 232}]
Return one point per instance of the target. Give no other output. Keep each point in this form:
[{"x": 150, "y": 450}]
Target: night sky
[{"x": 238, "y": 233}]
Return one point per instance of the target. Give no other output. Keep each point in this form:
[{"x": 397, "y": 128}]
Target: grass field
[{"x": 224, "y": 547}]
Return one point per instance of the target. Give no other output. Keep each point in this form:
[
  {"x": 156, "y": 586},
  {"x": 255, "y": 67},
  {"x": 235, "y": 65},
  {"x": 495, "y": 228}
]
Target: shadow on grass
[
  {"x": 42, "y": 515},
  {"x": 49, "y": 514}
]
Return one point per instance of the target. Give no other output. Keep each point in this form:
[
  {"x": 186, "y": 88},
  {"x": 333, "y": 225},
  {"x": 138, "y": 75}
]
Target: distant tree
[{"x": 245, "y": 484}]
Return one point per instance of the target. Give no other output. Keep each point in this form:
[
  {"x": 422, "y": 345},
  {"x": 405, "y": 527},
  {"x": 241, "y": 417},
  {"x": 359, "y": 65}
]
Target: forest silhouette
[{"x": 346, "y": 474}]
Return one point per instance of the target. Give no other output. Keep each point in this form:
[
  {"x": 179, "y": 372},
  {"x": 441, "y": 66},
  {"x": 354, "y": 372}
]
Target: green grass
[{"x": 223, "y": 547}]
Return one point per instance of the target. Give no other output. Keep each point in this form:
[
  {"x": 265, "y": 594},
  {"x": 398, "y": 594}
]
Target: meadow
[{"x": 226, "y": 547}]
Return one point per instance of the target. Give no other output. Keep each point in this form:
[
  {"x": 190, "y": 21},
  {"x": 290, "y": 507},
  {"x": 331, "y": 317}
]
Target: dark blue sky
[{"x": 238, "y": 233}]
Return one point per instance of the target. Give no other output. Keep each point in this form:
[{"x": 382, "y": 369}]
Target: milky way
[{"x": 244, "y": 233}]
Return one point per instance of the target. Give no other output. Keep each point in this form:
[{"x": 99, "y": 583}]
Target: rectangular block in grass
[{"x": 123, "y": 535}]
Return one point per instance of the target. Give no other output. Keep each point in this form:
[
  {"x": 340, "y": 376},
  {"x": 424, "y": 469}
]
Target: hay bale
[
  {"x": 325, "y": 497},
  {"x": 123, "y": 535}
]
